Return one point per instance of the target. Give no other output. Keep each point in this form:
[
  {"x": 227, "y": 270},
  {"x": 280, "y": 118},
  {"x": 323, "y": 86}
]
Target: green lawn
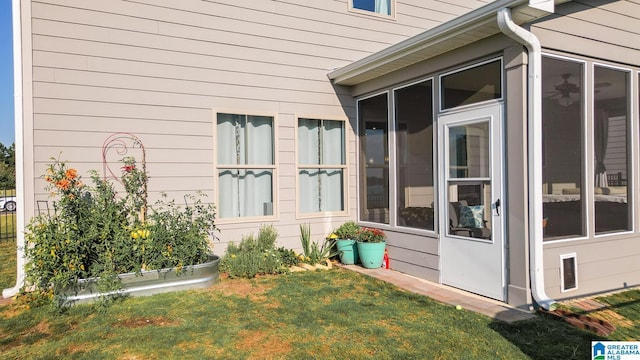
[
  {"x": 7, "y": 263},
  {"x": 325, "y": 314}
]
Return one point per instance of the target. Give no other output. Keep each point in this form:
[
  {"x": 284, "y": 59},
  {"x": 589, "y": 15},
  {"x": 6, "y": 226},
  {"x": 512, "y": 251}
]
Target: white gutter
[
  {"x": 19, "y": 144},
  {"x": 534, "y": 110}
]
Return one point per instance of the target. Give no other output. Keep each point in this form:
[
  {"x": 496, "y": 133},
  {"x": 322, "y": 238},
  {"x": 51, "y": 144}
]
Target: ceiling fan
[{"x": 564, "y": 90}]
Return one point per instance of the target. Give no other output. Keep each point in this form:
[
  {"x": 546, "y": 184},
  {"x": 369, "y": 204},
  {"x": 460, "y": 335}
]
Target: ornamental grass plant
[
  {"x": 315, "y": 252},
  {"x": 94, "y": 233}
]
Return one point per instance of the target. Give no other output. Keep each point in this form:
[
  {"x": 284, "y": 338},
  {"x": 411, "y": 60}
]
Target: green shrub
[
  {"x": 348, "y": 230},
  {"x": 254, "y": 256}
]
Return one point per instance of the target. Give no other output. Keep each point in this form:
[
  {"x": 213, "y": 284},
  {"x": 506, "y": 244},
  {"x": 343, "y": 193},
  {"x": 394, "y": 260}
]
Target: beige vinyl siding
[
  {"x": 160, "y": 69},
  {"x": 607, "y": 34},
  {"x": 609, "y": 31}
]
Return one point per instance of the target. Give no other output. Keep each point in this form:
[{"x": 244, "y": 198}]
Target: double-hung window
[
  {"x": 321, "y": 165},
  {"x": 245, "y": 165}
]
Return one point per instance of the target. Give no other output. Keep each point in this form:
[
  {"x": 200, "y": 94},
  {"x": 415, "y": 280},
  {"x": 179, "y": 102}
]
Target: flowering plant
[
  {"x": 93, "y": 233},
  {"x": 371, "y": 235}
]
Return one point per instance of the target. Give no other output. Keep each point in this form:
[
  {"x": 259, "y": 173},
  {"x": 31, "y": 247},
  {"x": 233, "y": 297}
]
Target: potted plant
[
  {"x": 371, "y": 243},
  {"x": 346, "y": 242}
]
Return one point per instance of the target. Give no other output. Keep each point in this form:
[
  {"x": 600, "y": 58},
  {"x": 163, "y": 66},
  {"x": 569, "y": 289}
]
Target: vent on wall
[{"x": 568, "y": 272}]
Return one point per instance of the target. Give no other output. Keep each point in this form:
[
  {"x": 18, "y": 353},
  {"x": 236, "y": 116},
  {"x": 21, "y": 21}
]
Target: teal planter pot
[
  {"x": 371, "y": 254},
  {"x": 348, "y": 251}
]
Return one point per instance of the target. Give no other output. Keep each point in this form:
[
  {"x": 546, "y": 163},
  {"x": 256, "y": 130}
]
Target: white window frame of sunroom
[
  {"x": 344, "y": 167},
  {"x": 434, "y": 155},
  {"x": 588, "y": 71},
  {"x": 390, "y": 140},
  {"x": 585, "y": 148},
  {"x": 391, "y": 16},
  {"x": 630, "y": 138},
  {"x": 441, "y": 110},
  {"x": 273, "y": 167}
]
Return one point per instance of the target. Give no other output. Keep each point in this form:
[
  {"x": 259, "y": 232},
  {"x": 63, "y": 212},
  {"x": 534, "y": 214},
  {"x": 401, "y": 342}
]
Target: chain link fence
[{"x": 8, "y": 205}]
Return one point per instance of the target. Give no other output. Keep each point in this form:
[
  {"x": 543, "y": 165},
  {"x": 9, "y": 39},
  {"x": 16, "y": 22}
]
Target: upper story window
[
  {"x": 382, "y": 7},
  {"x": 321, "y": 165},
  {"x": 245, "y": 165}
]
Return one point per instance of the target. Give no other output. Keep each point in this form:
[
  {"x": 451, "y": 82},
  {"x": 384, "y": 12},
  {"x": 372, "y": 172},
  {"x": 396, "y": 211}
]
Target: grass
[
  {"x": 7, "y": 225},
  {"x": 325, "y": 314},
  {"x": 7, "y": 263}
]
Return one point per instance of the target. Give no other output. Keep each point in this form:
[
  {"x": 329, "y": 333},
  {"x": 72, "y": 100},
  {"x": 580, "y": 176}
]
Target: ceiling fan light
[{"x": 565, "y": 101}]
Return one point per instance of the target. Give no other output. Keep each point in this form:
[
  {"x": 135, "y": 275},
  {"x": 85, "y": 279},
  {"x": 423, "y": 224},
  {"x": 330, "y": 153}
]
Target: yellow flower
[
  {"x": 333, "y": 236},
  {"x": 134, "y": 234},
  {"x": 146, "y": 234},
  {"x": 233, "y": 256}
]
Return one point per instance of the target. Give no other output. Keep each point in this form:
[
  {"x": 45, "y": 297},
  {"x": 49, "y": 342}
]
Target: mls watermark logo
[{"x": 615, "y": 350}]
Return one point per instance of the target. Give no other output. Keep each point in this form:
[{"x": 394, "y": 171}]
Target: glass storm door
[{"x": 471, "y": 243}]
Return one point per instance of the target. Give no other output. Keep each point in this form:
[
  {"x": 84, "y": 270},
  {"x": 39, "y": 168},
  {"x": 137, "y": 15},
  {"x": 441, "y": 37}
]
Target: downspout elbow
[{"x": 534, "y": 148}]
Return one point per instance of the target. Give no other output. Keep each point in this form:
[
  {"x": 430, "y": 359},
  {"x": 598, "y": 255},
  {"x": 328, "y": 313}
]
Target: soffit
[{"x": 466, "y": 29}]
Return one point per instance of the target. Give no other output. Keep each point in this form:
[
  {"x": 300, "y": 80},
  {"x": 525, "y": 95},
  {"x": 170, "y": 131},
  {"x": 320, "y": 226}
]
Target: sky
[{"x": 7, "y": 135}]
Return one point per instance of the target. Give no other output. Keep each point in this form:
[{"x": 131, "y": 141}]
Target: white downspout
[
  {"x": 534, "y": 112},
  {"x": 19, "y": 144}
]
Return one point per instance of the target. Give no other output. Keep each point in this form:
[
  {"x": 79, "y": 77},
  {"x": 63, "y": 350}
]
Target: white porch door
[{"x": 471, "y": 221}]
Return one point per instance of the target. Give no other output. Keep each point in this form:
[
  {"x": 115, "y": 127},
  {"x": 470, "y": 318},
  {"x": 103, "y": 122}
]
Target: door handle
[{"x": 497, "y": 203}]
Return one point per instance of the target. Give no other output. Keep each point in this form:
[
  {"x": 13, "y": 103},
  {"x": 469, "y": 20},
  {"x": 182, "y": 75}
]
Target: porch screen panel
[
  {"x": 245, "y": 158},
  {"x": 612, "y": 100},
  {"x": 473, "y": 85},
  {"x": 414, "y": 148},
  {"x": 321, "y": 165},
  {"x": 374, "y": 159},
  {"x": 563, "y": 149}
]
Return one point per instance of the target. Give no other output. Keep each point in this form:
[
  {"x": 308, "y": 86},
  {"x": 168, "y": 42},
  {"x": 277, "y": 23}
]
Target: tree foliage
[{"x": 7, "y": 166}]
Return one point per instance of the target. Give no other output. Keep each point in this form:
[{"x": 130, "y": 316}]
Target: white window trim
[
  {"x": 344, "y": 167},
  {"x": 588, "y": 66},
  {"x": 359, "y": 188},
  {"x": 630, "y": 138},
  {"x": 585, "y": 148},
  {"x": 273, "y": 167},
  {"x": 434, "y": 150},
  {"x": 391, "y": 16},
  {"x": 438, "y": 86}
]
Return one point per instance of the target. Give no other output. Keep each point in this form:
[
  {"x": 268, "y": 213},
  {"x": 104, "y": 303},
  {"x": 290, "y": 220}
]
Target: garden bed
[{"x": 154, "y": 282}]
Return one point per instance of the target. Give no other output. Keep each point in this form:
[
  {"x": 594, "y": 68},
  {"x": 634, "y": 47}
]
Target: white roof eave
[{"x": 473, "y": 26}]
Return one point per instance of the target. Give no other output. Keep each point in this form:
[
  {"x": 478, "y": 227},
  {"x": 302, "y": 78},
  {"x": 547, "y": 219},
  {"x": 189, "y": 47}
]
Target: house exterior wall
[
  {"x": 600, "y": 32},
  {"x": 161, "y": 69}
]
